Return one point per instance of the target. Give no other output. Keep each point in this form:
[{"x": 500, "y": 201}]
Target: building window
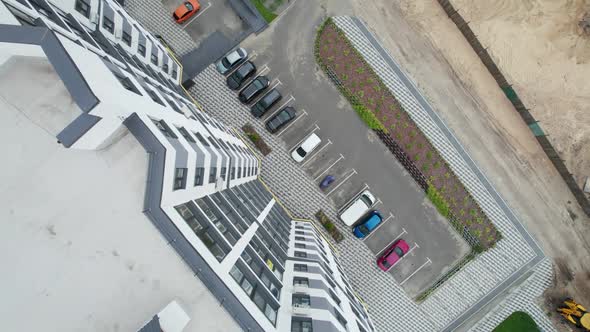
[
  {"x": 174, "y": 73},
  {"x": 271, "y": 314},
  {"x": 141, "y": 49},
  {"x": 83, "y": 8},
  {"x": 300, "y": 254},
  {"x": 247, "y": 258},
  {"x": 298, "y": 281},
  {"x": 340, "y": 318},
  {"x": 127, "y": 38},
  {"x": 233, "y": 172},
  {"x": 154, "y": 96},
  {"x": 239, "y": 172},
  {"x": 201, "y": 139},
  {"x": 212, "y": 174},
  {"x": 301, "y": 300},
  {"x": 300, "y": 245},
  {"x": 300, "y": 238},
  {"x": 299, "y": 233},
  {"x": 179, "y": 178},
  {"x": 301, "y": 325},
  {"x": 185, "y": 134},
  {"x": 165, "y": 68},
  {"x": 126, "y": 83},
  {"x": 199, "y": 172},
  {"x": 164, "y": 128},
  {"x": 154, "y": 59},
  {"x": 223, "y": 172},
  {"x": 300, "y": 267},
  {"x": 107, "y": 24}
]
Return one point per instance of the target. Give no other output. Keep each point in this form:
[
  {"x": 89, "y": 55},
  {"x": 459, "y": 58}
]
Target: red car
[
  {"x": 186, "y": 10},
  {"x": 393, "y": 254}
]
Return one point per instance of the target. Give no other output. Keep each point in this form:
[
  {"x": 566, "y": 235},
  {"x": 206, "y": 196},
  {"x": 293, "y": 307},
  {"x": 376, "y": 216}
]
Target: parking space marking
[
  {"x": 304, "y": 137},
  {"x": 260, "y": 73},
  {"x": 428, "y": 261},
  {"x": 353, "y": 197},
  {"x": 317, "y": 153},
  {"x": 199, "y": 14},
  {"x": 284, "y": 104},
  {"x": 378, "y": 226},
  {"x": 250, "y": 57},
  {"x": 327, "y": 169},
  {"x": 377, "y": 202},
  {"x": 255, "y": 100},
  {"x": 404, "y": 256},
  {"x": 341, "y": 183},
  {"x": 389, "y": 244},
  {"x": 292, "y": 122}
]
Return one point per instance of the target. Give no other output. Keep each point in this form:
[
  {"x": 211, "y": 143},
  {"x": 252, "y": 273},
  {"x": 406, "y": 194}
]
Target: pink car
[{"x": 393, "y": 254}]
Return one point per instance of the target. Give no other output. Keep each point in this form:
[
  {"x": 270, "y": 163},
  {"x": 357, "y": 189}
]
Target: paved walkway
[{"x": 459, "y": 298}]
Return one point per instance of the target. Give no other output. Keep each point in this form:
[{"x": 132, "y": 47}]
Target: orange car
[{"x": 186, "y": 10}]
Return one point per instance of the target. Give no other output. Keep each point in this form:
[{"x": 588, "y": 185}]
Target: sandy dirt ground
[
  {"x": 541, "y": 50},
  {"x": 445, "y": 68}
]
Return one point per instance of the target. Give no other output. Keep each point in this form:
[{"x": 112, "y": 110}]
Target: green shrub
[
  {"x": 369, "y": 118},
  {"x": 266, "y": 13},
  {"x": 438, "y": 201}
]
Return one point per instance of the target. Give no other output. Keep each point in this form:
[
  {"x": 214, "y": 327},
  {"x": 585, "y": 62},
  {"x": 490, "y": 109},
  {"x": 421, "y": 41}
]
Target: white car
[
  {"x": 359, "y": 206},
  {"x": 310, "y": 143},
  {"x": 231, "y": 60}
]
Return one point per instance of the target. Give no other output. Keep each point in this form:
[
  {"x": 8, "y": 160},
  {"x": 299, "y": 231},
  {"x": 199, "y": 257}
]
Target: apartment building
[{"x": 271, "y": 273}]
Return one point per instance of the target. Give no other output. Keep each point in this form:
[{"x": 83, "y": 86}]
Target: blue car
[{"x": 366, "y": 227}]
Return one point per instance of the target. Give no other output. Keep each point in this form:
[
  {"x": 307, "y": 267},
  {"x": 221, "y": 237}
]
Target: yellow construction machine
[{"x": 575, "y": 314}]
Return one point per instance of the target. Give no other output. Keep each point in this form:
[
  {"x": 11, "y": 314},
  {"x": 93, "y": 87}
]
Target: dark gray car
[
  {"x": 254, "y": 89},
  {"x": 238, "y": 77},
  {"x": 265, "y": 103},
  {"x": 280, "y": 119}
]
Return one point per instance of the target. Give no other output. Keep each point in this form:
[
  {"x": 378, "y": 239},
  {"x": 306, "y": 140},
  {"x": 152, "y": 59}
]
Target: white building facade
[{"x": 271, "y": 273}]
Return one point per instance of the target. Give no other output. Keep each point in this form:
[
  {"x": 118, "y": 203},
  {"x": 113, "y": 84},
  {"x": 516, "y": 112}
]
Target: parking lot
[
  {"x": 213, "y": 16},
  {"x": 351, "y": 153},
  {"x": 355, "y": 157}
]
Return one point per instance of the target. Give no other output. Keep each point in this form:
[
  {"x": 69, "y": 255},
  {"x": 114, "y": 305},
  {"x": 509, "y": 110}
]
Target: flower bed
[
  {"x": 365, "y": 91},
  {"x": 329, "y": 226},
  {"x": 256, "y": 139}
]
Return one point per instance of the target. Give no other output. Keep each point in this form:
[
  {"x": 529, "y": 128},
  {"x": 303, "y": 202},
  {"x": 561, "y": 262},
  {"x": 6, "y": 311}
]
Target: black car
[
  {"x": 238, "y": 77},
  {"x": 280, "y": 119},
  {"x": 254, "y": 89},
  {"x": 265, "y": 103}
]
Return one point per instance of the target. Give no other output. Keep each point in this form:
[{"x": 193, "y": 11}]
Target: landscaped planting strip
[
  {"x": 366, "y": 92},
  {"x": 493, "y": 272}
]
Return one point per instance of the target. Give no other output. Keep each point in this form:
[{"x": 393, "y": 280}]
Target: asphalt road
[{"x": 352, "y": 153}]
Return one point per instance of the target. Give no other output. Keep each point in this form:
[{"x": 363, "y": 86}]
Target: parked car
[
  {"x": 368, "y": 225},
  {"x": 357, "y": 208},
  {"x": 327, "y": 181},
  {"x": 280, "y": 119},
  {"x": 393, "y": 254},
  {"x": 306, "y": 147},
  {"x": 238, "y": 77},
  {"x": 186, "y": 10},
  {"x": 231, "y": 60},
  {"x": 265, "y": 103},
  {"x": 254, "y": 89}
]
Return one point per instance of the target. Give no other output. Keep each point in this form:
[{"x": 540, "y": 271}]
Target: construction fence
[{"x": 519, "y": 106}]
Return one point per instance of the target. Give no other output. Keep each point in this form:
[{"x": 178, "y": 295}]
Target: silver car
[{"x": 231, "y": 60}]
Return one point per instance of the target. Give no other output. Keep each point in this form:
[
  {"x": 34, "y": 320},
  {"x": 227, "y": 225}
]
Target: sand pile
[{"x": 543, "y": 52}]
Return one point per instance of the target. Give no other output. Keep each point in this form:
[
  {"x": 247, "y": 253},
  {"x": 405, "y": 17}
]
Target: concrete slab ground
[{"x": 77, "y": 251}]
